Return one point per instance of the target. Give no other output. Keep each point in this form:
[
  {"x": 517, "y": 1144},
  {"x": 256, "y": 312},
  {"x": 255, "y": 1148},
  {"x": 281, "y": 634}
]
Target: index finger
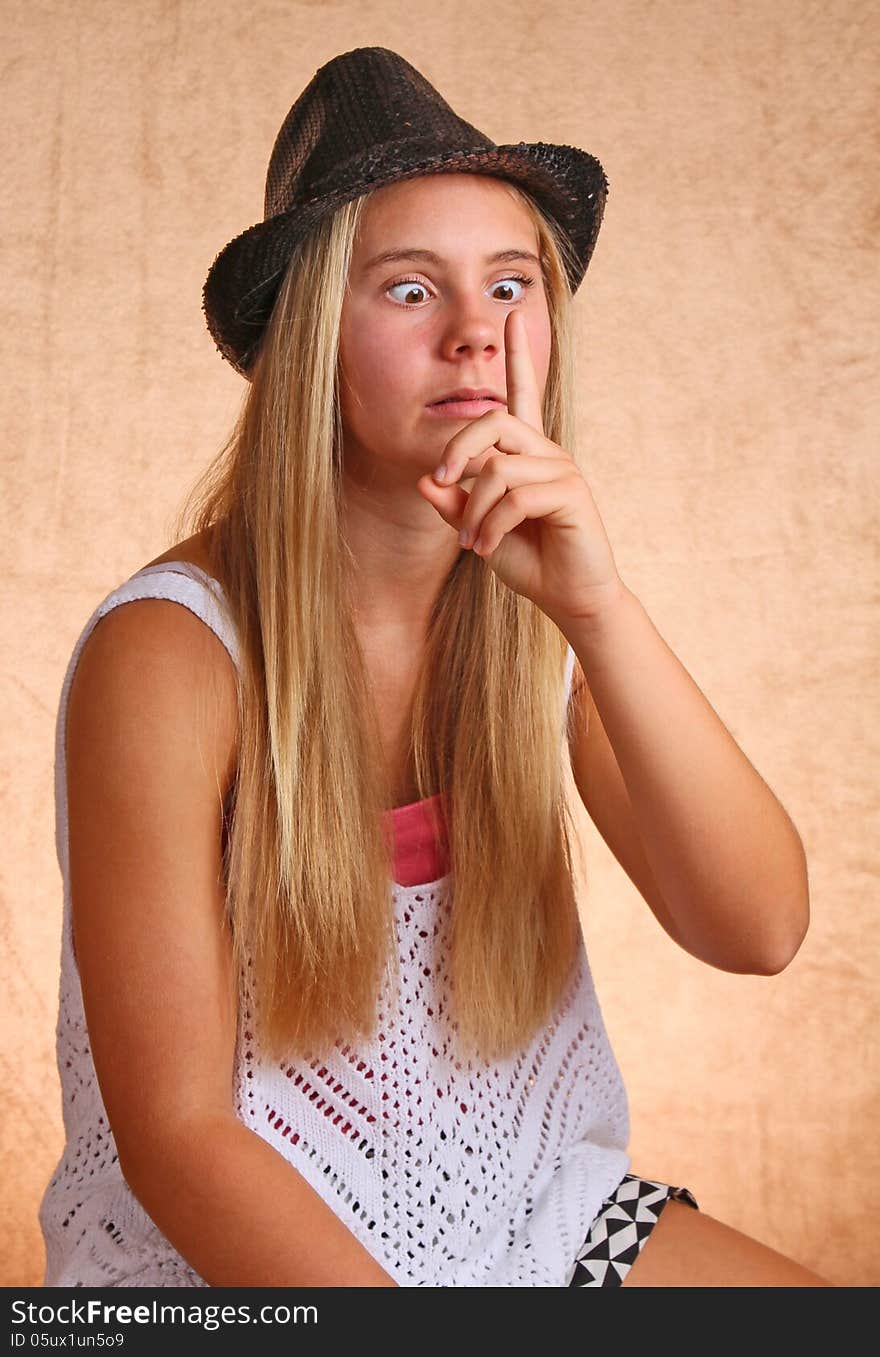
[{"x": 523, "y": 396}]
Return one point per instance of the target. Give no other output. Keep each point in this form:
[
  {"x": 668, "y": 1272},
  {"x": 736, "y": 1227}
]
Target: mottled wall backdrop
[{"x": 728, "y": 420}]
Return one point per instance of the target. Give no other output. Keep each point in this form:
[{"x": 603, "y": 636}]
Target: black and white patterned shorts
[{"x": 618, "y": 1233}]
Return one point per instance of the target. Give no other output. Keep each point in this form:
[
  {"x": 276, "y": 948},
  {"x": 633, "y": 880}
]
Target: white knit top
[{"x": 450, "y": 1172}]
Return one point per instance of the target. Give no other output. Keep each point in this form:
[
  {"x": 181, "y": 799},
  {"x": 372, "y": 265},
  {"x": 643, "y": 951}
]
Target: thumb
[{"x": 448, "y": 500}]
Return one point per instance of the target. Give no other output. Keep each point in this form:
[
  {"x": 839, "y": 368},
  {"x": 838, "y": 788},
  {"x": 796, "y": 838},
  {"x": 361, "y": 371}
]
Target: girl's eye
[{"x": 415, "y": 284}]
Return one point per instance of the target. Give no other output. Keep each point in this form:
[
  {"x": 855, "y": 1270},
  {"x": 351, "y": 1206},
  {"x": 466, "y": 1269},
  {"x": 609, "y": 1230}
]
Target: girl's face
[{"x": 416, "y": 327}]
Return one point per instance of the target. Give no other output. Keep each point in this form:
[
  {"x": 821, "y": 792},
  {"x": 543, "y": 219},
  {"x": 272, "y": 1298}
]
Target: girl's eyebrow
[{"x": 392, "y": 256}]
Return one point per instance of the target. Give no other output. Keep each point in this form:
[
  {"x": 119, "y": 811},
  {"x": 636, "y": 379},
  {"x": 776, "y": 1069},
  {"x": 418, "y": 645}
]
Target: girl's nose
[{"x": 470, "y": 327}]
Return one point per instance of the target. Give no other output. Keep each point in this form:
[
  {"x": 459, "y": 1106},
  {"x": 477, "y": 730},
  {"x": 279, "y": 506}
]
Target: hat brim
[{"x": 242, "y": 284}]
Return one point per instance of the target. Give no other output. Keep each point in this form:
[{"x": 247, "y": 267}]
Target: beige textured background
[{"x": 728, "y": 412}]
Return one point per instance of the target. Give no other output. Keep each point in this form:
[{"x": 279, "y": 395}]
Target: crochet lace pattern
[{"x": 450, "y": 1172}]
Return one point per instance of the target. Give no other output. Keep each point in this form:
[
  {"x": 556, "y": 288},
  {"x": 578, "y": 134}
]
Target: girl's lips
[{"x": 465, "y": 409}]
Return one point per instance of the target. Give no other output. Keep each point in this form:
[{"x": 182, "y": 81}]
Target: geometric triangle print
[
  {"x": 598, "y": 1273},
  {"x": 619, "y": 1231}
]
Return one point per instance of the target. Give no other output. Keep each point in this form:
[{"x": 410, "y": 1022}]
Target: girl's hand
[{"x": 530, "y": 513}]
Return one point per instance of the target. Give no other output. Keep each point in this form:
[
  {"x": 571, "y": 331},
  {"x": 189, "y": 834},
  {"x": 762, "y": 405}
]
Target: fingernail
[
  {"x": 441, "y": 473},
  {"x": 463, "y": 537}
]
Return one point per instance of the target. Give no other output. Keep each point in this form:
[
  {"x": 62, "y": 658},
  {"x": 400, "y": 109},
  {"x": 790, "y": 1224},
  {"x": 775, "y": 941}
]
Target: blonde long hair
[{"x": 307, "y": 860}]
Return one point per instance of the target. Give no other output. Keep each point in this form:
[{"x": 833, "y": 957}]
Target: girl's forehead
[
  {"x": 435, "y": 192},
  {"x": 439, "y": 203}
]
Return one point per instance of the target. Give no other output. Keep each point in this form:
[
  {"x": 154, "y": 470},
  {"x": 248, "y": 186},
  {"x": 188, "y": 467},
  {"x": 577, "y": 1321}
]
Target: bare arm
[
  {"x": 700, "y": 832},
  {"x": 151, "y": 750},
  {"x": 240, "y": 1214}
]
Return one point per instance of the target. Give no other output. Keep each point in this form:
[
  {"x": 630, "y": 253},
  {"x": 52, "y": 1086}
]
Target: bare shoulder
[
  {"x": 196, "y": 550},
  {"x": 150, "y": 665}
]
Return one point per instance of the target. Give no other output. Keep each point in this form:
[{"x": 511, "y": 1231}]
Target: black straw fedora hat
[{"x": 368, "y": 118}]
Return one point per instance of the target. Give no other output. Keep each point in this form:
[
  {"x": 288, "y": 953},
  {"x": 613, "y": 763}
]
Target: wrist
[{"x": 590, "y": 627}]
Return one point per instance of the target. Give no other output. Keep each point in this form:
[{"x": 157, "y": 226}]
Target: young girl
[{"x": 326, "y": 1017}]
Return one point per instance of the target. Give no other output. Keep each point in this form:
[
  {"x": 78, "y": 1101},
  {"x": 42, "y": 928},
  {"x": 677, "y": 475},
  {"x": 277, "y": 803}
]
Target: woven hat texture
[{"x": 369, "y": 118}]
